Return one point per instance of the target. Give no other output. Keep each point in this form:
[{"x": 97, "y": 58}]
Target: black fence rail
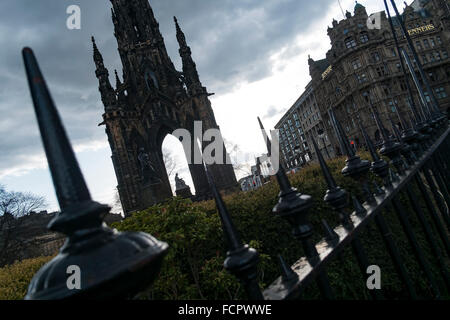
[
  {"x": 119, "y": 265},
  {"x": 427, "y": 164}
]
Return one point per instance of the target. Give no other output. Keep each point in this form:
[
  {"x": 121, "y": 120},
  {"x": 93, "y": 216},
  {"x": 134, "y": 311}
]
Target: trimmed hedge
[
  {"x": 193, "y": 268},
  {"x": 15, "y": 278}
]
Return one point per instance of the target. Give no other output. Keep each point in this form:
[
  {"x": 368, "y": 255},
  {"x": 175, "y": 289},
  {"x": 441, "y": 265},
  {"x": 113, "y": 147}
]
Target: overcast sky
[{"x": 251, "y": 53}]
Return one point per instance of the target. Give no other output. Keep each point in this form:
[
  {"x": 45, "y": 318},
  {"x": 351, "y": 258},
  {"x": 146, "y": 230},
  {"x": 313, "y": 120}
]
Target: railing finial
[
  {"x": 112, "y": 264},
  {"x": 287, "y": 274},
  {"x": 234, "y": 240},
  {"x": 241, "y": 260},
  {"x": 67, "y": 178}
]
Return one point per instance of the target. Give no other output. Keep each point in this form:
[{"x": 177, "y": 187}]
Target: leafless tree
[
  {"x": 13, "y": 207},
  {"x": 170, "y": 162},
  {"x": 234, "y": 152}
]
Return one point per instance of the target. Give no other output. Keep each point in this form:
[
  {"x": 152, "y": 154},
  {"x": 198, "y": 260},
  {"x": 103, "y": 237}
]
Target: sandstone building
[
  {"x": 152, "y": 101},
  {"x": 300, "y": 124},
  {"x": 363, "y": 62}
]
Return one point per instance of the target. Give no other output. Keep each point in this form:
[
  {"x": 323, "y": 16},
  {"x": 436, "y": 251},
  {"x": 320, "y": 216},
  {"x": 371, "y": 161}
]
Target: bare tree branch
[{"x": 13, "y": 207}]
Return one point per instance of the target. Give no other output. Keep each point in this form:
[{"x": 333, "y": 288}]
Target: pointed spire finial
[
  {"x": 330, "y": 235},
  {"x": 287, "y": 274},
  {"x": 234, "y": 240},
  {"x": 369, "y": 144},
  {"x": 325, "y": 170},
  {"x": 342, "y": 137},
  {"x": 97, "y": 55},
  {"x": 118, "y": 82},
  {"x": 359, "y": 209},
  {"x": 180, "y": 35},
  {"x": 380, "y": 125},
  {"x": 67, "y": 177}
]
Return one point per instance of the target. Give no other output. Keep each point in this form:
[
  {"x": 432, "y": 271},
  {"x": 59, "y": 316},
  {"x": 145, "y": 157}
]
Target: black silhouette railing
[
  {"x": 112, "y": 264},
  {"x": 119, "y": 265}
]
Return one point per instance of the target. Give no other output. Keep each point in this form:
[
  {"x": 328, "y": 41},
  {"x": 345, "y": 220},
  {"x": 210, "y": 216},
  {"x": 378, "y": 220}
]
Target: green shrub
[
  {"x": 15, "y": 278},
  {"x": 193, "y": 268}
]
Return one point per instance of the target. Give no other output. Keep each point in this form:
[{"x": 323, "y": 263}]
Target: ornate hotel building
[{"x": 364, "y": 62}]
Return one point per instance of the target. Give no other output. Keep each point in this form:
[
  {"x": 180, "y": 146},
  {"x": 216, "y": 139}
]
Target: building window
[
  {"x": 424, "y": 59},
  {"x": 426, "y": 44},
  {"x": 361, "y": 77},
  {"x": 350, "y": 43},
  {"x": 418, "y": 45},
  {"x": 440, "y": 93},
  {"x": 438, "y": 38},
  {"x": 393, "y": 52},
  {"x": 427, "y": 96},
  {"x": 364, "y": 37},
  {"x": 399, "y": 67},
  {"x": 356, "y": 64},
  {"x": 432, "y": 59},
  {"x": 432, "y": 76},
  {"x": 444, "y": 54},
  {"x": 438, "y": 56},
  {"x": 403, "y": 85},
  {"x": 392, "y": 104},
  {"x": 432, "y": 42},
  {"x": 376, "y": 56},
  {"x": 381, "y": 71}
]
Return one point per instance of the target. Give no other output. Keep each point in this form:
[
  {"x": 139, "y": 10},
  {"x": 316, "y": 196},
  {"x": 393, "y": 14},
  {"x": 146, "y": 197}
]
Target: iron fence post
[
  {"x": 111, "y": 264},
  {"x": 338, "y": 199},
  {"x": 294, "y": 206},
  {"x": 241, "y": 260},
  {"x": 381, "y": 169}
]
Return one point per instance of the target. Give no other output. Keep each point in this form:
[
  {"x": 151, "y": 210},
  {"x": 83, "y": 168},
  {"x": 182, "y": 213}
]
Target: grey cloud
[{"x": 231, "y": 42}]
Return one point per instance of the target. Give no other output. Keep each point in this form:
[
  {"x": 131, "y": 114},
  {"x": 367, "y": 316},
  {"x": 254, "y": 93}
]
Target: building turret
[
  {"x": 191, "y": 77},
  {"x": 105, "y": 88}
]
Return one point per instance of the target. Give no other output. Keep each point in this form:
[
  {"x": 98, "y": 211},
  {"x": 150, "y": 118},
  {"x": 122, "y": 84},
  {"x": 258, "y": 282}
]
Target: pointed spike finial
[
  {"x": 342, "y": 137},
  {"x": 325, "y": 170},
  {"x": 287, "y": 274},
  {"x": 359, "y": 209},
  {"x": 282, "y": 179},
  {"x": 69, "y": 183},
  {"x": 393, "y": 177},
  {"x": 369, "y": 143},
  {"x": 397, "y": 133},
  {"x": 377, "y": 189},
  {"x": 380, "y": 124},
  {"x": 330, "y": 235},
  {"x": 234, "y": 240},
  {"x": 266, "y": 137},
  {"x": 401, "y": 119}
]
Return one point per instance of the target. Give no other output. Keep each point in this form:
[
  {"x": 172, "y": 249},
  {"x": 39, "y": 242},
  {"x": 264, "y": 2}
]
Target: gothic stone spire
[
  {"x": 191, "y": 76},
  {"x": 106, "y": 90}
]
